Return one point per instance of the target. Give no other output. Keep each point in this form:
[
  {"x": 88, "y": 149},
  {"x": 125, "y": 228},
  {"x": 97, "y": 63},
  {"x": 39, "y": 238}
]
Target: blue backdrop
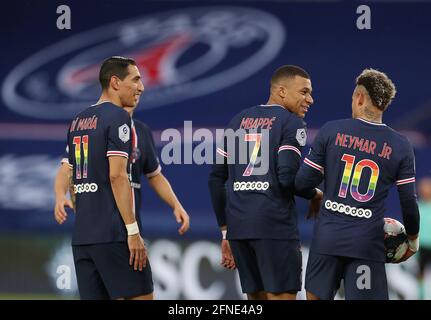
[{"x": 201, "y": 62}]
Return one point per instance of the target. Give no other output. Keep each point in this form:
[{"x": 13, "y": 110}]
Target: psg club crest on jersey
[{"x": 181, "y": 54}]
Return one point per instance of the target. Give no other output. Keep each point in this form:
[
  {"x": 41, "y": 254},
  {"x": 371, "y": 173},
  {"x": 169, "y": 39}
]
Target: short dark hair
[
  {"x": 288, "y": 71},
  {"x": 114, "y": 66},
  {"x": 380, "y": 88}
]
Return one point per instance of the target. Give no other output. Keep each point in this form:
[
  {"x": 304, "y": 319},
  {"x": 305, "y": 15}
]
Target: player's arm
[
  {"x": 122, "y": 191},
  {"x": 164, "y": 190},
  {"x": 408, "y": 201},
  {"x": 217, "y": 186},
  {"x": 289, "y": 157},
  {"x": 156, "y": 179},
  {"x": 310, "y": 175},
  {"x": 61, "y": 187}
]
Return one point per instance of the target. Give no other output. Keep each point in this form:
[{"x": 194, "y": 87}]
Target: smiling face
[
  {"x": 130, "y": 88},
  {"x": 295, "y": 94}
]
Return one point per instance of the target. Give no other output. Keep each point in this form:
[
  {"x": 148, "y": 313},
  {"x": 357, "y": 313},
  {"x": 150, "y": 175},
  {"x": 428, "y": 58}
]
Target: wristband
[
  {"x": 132, "y": 228},
  {"x": 223, "y": 233}
]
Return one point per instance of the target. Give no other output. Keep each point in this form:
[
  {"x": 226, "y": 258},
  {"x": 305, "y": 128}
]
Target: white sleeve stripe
[
  {"x": 117, "y": 153},
  {"x": 154, "y": 173},
  {"x": 221, "y": 152},
  {"x": 313, "y": 165},
  {"x": 405, "y": 181},
  {"x": 64, "y": 160},
  {"x": 289, "y": 148}
]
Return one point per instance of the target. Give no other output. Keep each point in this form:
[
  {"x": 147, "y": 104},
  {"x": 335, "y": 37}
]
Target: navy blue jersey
[
  {"x": 359, "y": 161},
  {"x": 101, "y": 131},
  {"x": 144, "y": 161},
  {"x": 260, "y": 204}
]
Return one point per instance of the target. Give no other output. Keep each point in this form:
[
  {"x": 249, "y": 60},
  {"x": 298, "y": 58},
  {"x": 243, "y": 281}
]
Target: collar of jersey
[
  {"x": 272, "y": 105},
  {"x": 373, "y": 123},
  {"x": 96, "y": 104}
]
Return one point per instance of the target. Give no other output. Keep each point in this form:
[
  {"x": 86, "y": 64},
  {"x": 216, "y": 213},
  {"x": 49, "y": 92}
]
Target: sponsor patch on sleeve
[
  {"x": 301, "y": 137},
  {"x": 124, "y": 133}
]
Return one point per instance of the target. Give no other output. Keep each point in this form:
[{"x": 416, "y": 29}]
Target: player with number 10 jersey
[{"x": 359, "y": 159}]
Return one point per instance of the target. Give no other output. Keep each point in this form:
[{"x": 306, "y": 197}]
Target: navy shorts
[
  {"x": 363, "y": 279},
  {"x": 103, "y": 272},
  {"x": 268, "y": 265}
]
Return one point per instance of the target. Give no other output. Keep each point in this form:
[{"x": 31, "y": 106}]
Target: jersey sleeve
[
  {"x": 316, "y": 156},
  {"x": 119, "y": 135},
  {"x": 67, "y": 158},
  {"x": 151, "y": 165},
  {"x": 407, "y": 191},
  {"x": 406, "y": 171},
  {"x": 293, "y": 139},
  {"x": 310, "y": 175}
]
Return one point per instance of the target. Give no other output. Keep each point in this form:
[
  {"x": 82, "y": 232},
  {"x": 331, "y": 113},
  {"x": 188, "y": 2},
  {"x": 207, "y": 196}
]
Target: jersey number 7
[{"x": 257, "y": 137}]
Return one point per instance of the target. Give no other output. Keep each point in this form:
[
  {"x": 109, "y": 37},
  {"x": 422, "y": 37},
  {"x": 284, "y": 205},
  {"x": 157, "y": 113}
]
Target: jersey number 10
[
  {"x": 357, "y": 172},
  {"x": 77, "y": 143}
]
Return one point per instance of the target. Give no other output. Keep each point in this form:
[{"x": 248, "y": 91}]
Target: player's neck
[
  {"x": 371, "y": 115},
  {"x": 106, "y": 97},
  {"x": 272, "y": 101}
]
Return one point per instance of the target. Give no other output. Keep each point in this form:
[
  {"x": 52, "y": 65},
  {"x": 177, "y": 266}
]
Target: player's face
[
  {"x": 131, "y": 88},
  {"x": 296, "y": 95}
]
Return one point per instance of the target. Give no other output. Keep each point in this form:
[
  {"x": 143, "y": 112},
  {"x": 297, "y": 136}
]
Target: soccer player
[
  {"x": 255, "y": 208},
  {"x": 359, "y": 160},
  {"x": 109, "y": 253}
]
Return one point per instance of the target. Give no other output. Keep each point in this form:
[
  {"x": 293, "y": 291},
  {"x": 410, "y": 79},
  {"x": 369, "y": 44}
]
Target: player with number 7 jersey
[
  {"x": 359, "y": 159},
  {"x": 252, "y": 190}
]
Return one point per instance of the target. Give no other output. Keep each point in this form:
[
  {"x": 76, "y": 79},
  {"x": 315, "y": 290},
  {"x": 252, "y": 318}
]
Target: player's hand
[
  {"x": 315, "y": 203},
  {"x": 227, "y": 259},
  {"x": 182, "y": 217},
  {"x": 138, "y": 252},
  {"x": 412, "y": 248},
  {"x": 406, "y": 255},
  {"x": 60, "y": 213}
]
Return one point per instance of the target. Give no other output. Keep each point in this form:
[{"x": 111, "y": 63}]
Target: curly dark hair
[{"x": 380, "y": 88}]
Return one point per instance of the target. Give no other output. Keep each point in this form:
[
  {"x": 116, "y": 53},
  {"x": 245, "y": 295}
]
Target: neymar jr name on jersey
[{"x": 363, "y": 145}]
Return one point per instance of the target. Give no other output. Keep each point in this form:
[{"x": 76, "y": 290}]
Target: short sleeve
[
  {"x": 294, "y": 136},
  {"x": 406, "y": 171},
  {"x": 66, "y": 158},
  {"x": 151, "y": 165},
  {"x": 316, "y": 155},
  {"x": 119, "y": 135}
]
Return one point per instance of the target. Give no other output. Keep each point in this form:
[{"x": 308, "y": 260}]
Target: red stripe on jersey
[
  {"x": 287, "y": 147},
  {"x": 313, "y": 165}
]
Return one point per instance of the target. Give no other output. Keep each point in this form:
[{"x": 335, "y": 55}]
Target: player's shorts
[
  {"x": 424, "y": 258},
  {"x": 103, "y": 272},
  {"x": 268, "y": 265},
  {"x": 363, "y": 279}
]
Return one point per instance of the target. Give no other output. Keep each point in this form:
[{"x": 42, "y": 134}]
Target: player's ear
[
  {"x": 282, "y": 91},
  {"x": 115, "y": 82},
  {"x": 361, "y": 98}
]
